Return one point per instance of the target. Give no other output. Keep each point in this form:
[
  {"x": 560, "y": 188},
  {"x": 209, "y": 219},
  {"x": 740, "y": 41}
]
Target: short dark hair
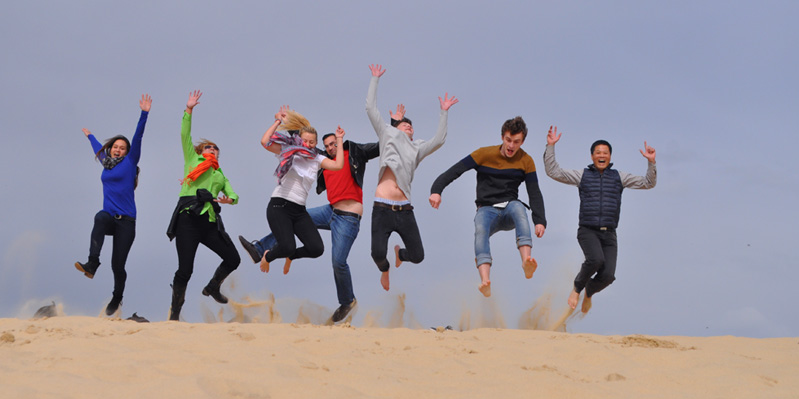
[
  {"x": 326, "y": 136},
  {"x": 514, "y": 126},
  {"x": 395, "y": 122},
  {"x": 601, "y": 142}
]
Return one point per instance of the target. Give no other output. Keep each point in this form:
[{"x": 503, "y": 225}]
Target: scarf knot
[{"x": 210, "y": 162}]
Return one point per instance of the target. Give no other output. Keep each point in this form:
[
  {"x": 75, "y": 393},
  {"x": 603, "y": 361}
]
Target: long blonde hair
[{"x": 294, "y": 121}]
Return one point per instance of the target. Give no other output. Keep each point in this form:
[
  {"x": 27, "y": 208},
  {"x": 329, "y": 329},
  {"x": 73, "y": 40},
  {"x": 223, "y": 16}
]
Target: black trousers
[
  {"x": 193, "y": 230},
  {"x": 124, "y": 232},
  {"x": 287, "y": 219},
  {"x": 599, "y": 269},
  {"x": 384, "y": 222}
]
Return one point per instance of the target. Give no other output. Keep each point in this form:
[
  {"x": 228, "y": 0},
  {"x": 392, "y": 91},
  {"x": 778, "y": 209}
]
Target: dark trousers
[
  {"x": 599, "y": 268},
  {"x": 124, "y": 232},
  {"x": 193, "y": 230},
  {"x": 287, "y": 219},
  {"x": 384, "y": 222}
]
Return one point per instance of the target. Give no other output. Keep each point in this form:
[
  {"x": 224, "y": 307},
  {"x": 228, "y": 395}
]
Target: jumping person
[
  {"x": 120, "y": 160},
  {"x": 400, "y": 155},
  {"x": 500, "y": 171},
  {"x": 342, "y": 216},
  {"x": 196, "y": 219},
  {"x": 297, "y": 170},
  {"x": 600, "y": 189}
]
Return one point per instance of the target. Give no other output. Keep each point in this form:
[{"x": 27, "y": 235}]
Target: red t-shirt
[{"x": 340, "y": 185}]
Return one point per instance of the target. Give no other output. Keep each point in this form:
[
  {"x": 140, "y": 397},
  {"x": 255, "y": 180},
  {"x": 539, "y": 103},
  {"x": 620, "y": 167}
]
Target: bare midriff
[
  {"x": 387, "y": 187},
  {"x": 349, "y": 205}
]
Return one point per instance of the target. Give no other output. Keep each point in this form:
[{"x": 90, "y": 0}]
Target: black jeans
[
  {"x": 287, "y": 219},
  {"x": 384, "y": 222},
  {"x": 124, "y": 232},
  {"x": 600, "y": 249},
  {"x": 193, "y": 230}
]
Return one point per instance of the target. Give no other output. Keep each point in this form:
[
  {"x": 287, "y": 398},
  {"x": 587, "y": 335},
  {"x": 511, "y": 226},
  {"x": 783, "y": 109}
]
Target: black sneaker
[
  {"x": 251, "y": 250},
  {"x": 113, "y": 306},
  {"x": 88, "y": 268},
  {"x": 343, "y": 311}
]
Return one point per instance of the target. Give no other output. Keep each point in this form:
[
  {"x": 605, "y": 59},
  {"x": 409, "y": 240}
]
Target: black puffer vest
[{"x": 600, "y": 197}]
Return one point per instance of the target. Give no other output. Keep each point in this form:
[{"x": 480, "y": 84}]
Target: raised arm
[
  {"x": 553, "y": 170},
  {"x": 437, "y": 141},
  {"x": 96, "y": 145},
  {"x": 396, "y": 117},
  {"x": 338, "y": 163},
  {"x": 642, "y": 182},
  {"x": 280, "y": 116},
  {"x": 185, "y": 126},
  {"x": 371, "y": 100},
  {"x": 135, "y": 144}
]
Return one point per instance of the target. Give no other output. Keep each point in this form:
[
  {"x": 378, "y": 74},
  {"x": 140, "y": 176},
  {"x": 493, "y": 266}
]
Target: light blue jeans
[
  {"x": 490, "y": 220},
  {"x": 343, "y": 231}
]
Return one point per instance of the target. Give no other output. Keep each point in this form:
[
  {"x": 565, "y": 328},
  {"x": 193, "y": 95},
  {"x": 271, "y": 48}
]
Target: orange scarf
[{"x": 210, "y": 161}]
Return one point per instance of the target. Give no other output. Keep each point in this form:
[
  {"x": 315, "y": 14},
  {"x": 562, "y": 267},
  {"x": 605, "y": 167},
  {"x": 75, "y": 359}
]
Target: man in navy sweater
[{"x": 600, "y": 189}]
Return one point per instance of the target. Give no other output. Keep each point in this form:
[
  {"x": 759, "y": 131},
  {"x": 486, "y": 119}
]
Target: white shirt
[{"x": 297, "y": 182}]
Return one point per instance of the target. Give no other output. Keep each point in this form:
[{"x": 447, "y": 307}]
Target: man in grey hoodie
[{"x": 400, "y": 154}]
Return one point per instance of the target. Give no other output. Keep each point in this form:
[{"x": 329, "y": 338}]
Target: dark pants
[
  {"x": 384, "y": 222},
  {"x": 599, "y": 268},
  {"x": 193, "y": 230},
  {"x": 124, "y": 232},
  {"x": 287, "y": 219}
]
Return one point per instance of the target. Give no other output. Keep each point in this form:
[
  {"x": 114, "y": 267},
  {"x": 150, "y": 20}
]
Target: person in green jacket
[{"x": 196, "y": 218}]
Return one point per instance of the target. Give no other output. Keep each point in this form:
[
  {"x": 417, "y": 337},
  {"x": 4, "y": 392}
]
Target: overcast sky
[{"x": 711, "y": 85}]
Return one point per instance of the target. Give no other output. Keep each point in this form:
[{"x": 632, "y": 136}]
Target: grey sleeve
[
  {"x": 428, "y": 147},
  {"x": 640, "y": 182},
  {"x": 371, "y": 108},
  {"x": 553, "y": 170}
]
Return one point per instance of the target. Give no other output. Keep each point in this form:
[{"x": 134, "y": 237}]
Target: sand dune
[{"x": 90, "y": 357}]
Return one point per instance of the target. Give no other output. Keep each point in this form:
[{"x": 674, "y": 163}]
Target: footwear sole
[
  {"x": 249, "y": 248},
  {"x": 208, "y": 293},
  {"x": 85, "y": 273}
]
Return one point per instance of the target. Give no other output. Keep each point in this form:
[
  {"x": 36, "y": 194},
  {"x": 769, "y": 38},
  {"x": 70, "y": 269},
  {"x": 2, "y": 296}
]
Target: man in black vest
[{"x": 600, "y": 189}]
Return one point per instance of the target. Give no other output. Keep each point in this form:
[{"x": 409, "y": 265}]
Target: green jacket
[{"x": 212, "y": 180}]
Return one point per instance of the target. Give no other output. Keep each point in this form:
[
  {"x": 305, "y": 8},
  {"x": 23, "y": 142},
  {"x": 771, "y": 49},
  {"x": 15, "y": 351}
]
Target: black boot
[
  {"x": 178, "y": 297},
  {"x": 113, "y": 305},
  {"x": 88, "y": 268},
  {"x": 212, "y": 288}
]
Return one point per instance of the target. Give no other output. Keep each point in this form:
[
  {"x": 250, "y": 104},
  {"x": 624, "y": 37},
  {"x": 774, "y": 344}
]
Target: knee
[
  {"x": 416, "y": 256},
  {"x": 102, "y": 217},
  {"x": 315, "y": 251},
  {"x": 594, "y": 263}
]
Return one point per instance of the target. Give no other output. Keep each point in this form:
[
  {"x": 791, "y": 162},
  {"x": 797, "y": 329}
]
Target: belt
[
  {"x": 600, "y": 228},
  {"x": 395, "y": 208},
  {"x": 124, "y": 217},
  {"x": 345, "y": 213}
]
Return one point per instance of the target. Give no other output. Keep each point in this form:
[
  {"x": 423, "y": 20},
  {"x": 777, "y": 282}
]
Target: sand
[{"x": 94, "y": 357}]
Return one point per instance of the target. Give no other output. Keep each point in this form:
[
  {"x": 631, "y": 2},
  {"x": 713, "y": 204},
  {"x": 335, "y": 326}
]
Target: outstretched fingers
[
  {"x": 553, "y": 136},
  {"x": 648, "y": 152},
  {"x": 145, "y": 102},
  {"x": 447, "y": 102},
  {"x": 377, "y": 70}
]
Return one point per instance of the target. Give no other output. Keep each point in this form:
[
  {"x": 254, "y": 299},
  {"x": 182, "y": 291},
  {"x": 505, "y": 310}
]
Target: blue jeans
[
  {"x": 343, "y": 231},
  {"x": 490, "y": 220}
]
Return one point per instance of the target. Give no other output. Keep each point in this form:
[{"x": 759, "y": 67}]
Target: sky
[{"x": 711, "y": 85}]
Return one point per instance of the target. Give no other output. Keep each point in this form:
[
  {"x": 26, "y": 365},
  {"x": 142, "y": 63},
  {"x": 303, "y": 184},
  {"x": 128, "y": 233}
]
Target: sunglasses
[{"x": 208, "y": 147}]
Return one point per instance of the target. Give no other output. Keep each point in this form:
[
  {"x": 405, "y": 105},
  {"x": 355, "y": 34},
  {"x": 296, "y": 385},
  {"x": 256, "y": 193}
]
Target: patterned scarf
[
  {"x": 210, "y": 162},
  {"x": 290, "y": 145},
  {"x": 109, "y": 162}
]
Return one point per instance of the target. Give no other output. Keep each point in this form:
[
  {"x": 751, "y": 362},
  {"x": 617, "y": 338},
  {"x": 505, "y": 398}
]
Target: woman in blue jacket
[{"x": 120, "y": 159}]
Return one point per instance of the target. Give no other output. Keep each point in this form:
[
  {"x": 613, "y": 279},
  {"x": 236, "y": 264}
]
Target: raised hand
[
  {"x": 145, "y": 102},
  {"x": 552, "y": 135},
  {"x": 399, "y": 114},
  {"x": 339, "y": 133},
  {"x": 377, "y": 70},
  {"x": 194, "y": 99},
  {"x": 86, "y": 132},
  {"x": 649, "y": 154},
  {"x": 282, "y": 113},
  {"x": 447, "y": 102}
]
